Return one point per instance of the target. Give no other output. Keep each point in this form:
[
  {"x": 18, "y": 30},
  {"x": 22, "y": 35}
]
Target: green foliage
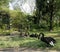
[
  {"x": 4, "y": 32},
  {"x": 46, "y": 11},
  {"x": 4, "y": 2},
  {"x": 4, "y": 19},
  {"x": 17, "y": 20}
]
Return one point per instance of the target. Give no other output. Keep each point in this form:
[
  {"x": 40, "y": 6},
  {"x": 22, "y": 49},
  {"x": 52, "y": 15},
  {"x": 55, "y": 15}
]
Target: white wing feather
[{"x": 51, "y": 43}]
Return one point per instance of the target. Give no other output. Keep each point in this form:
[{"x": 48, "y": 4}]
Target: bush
[{"x": 4, "y": 32}]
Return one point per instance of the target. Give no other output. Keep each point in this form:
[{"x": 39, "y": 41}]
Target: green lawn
[{"x": 7, "y": 41}]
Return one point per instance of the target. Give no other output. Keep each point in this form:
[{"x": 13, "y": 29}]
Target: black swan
[
  {"x": 48, "y": 40},
  {"x": 34, "y": 35}
]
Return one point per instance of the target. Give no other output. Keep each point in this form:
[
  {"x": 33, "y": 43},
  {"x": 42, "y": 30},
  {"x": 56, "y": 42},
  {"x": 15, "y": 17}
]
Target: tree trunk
[
  {"x": 51, "y": 28},
  {"x": 51, "y": 18}
]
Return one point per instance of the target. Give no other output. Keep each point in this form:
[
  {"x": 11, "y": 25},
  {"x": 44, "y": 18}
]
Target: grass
[{"x": 8, "y": 41}]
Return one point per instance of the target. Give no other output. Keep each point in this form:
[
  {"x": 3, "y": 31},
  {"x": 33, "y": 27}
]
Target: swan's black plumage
[
  {"x": 34, "y": 35},
  {"x": 47, "y": 40}
]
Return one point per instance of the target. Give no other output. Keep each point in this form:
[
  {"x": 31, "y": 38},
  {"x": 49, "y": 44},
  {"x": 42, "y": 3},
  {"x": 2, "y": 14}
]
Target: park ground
[{"x": 28, "y": 44}]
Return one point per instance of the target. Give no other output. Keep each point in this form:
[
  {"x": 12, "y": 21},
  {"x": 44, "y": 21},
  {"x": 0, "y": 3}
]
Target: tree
[
  {"x": 4, "y": 13},
  {"x": 46, "y": 7},
  {"x": 51, "y": 11},
  {"x": 40, "y": 7},
  {"x": 4, "y": 3},
  {"x": 17, "y": 19}
]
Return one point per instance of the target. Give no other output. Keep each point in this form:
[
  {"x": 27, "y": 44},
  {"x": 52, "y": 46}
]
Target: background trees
[
  {"x": 46, "y": 10},
  {"x": 46, "y": 16}
]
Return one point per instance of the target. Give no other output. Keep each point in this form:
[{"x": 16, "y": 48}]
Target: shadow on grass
[
  {"x": 37, "y": 44},
  {"x": 34, "y": 44}
]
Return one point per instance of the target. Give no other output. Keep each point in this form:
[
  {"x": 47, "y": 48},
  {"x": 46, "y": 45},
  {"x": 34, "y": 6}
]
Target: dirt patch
[{"x": 25, "y": 50}]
